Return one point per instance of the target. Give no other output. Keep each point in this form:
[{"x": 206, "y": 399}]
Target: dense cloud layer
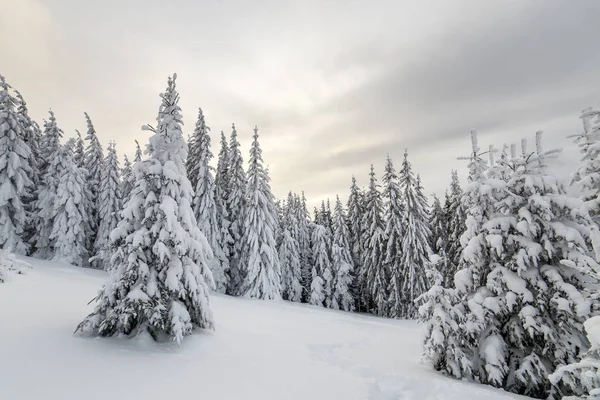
[{"x": 333, "y": 85}]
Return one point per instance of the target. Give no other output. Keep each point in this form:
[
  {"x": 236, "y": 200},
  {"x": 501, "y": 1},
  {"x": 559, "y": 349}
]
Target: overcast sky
[{"x": 333, "y": 85}]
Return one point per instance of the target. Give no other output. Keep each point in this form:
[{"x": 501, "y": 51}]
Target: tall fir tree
[
  {"x": 289, "y": 254},
  {"x": 50, "y": 142},
  {"x": 196, "y": 149},
  {"x": 160, "y": 279},
  {"x": 394, "y": 234},
  {"x": 259, "y": 261},
  {"x": 439, "y": 240},
  {"x": 32, "y": 137},
  {"x": 355, "y": 216},
  {"x": 322, "y": 278},
  {"x": 341, "y": 261},
  {"x": 205, "y": 206},
  {"x": 456, "y": 217},
  {"x": 94, "y": 159},
  {"x": 303, "y": 238},
  {"x": 69, "y": 222},
  {"x": 438, "y": 226},
  {"x": 110, "y": 205},
  {"x": 79, "y": 151},
  {"x": 15, "y": 175},
  {"x": 126, "y": 179},
  {"x": 415, "y": 243},
  {"x": 374, "y": 279},
  {"x": 236, "y": 193},
  {"x": 51, "y": 167},
  {"x": 221, "y": 195}
]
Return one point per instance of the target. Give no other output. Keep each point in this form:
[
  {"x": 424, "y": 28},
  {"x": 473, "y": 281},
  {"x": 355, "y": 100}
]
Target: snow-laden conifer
[
  {"x": 341, "y": 261},
  {"x": 221, "y": 194},
  {"x": 126, "y": 179},
  {"x": 94, "y": 159},
  {"x": 50, "y": 142},
  {"x": 70, "y": 224},
  {"x": 303, "y": 238},
  {"x": 79, "y": 151},
  {"x": 534, "y": 295},
  {"x": 109, "y": 207},
  {"x": 195, "y": 148},
  {"x": 32, "y": 135},
  {"x": 415, "y": 243},
  {"x": 160, "y": 279},
  {"x": 394, "y": 235},
  {"x": 15, "y": 176},
  {"x": 373, "y": 292},
  {"x": 438, "y": 226},
  {"x": 320, "y": 288},
  {"x": 259, "y": 261},
  {"x": 236, "y": 194},
  {"x": 455, "y": 225},
  {"x": 205, "y": 207},
  {"x": 355, "y": 208},
  {"x": 51, "y": 167},
  {"x": 289, "y": 254}
]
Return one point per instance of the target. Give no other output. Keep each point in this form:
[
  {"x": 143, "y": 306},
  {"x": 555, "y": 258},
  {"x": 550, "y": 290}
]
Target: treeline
[{"x": 369, "y": 255}]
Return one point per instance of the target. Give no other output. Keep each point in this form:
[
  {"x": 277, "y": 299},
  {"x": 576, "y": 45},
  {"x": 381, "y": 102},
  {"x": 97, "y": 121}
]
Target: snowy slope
[{"x": 260, "y": 350}]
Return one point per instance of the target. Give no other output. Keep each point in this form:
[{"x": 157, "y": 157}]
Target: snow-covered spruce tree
[
  {"x": 534, "y": 296},
  {"x": 394, "y": 235},
  {"x": 50, "y": 142},
  {"x": 320, "y": 288},
  {"x": 581, "y": 380},
  {"x": 341, "y": 261},
  {"x": 221, "y": 188},
  {"x": 415, "y": 243},
  {"x": 441, "y": 320},
  {"x": 587, "y": 176},
  {"x": 79, "y": 151},
  {"x": 456, "y": 217},
  {"x": 236, "y": 193},
  {"x": 373, "y": 293},
  {"x": 222, "y": 173},
  {"x": 195, "y": 148},
  {"x": 438, "y": 227},
  {"x": 451, "y": 330},
  {"x": 15, "y": 176},
  {"x": 159, "y": 282},
  {"x": 32, "y": 137},
  {"x": 205, "y": 207},
  {"x": 126, "y": 179},
  {"x": 94, "y": 158},
  {"x": 355, "y": 215},
  {"x": 289, "y": 254},
  {"x": 109, "y": 207},
  {"x": 259, "y": 261},
  {"x": 51, "y": 167},
  {"x": 303, "y": 238},
  {"x": 70, "y": 223}
]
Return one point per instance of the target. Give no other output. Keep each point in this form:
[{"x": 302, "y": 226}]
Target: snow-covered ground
[{"x": 260, "y": 350}]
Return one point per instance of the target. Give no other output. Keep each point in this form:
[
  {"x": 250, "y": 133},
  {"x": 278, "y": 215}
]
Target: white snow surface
[{"x": 259, "y": 350}]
